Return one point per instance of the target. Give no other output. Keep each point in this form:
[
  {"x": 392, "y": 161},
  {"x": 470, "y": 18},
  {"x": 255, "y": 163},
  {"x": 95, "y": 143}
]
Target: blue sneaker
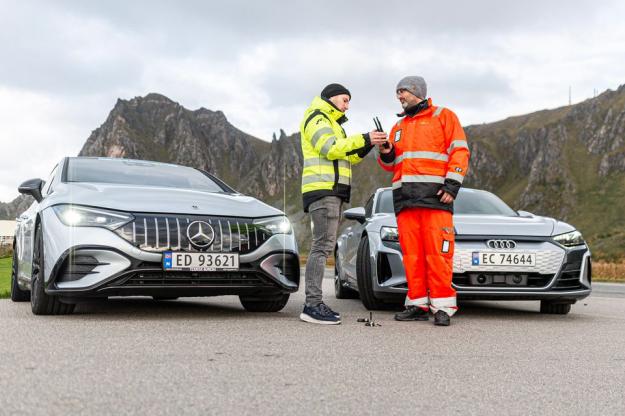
[
  {"x": 328, "y": 310},
  {"x": 319, "y": 315}
]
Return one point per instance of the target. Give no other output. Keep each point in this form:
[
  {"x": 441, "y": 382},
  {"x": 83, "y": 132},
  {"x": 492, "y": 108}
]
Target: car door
[
  {"x": 354, "y": 235},
  {"x": 25, "y": 236},
  {"x": 24, "y": 241}
]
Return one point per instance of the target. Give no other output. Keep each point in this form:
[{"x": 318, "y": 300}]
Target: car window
[
  {"x": 468, "y": 202},
  {"x": 369, "y": 207},
  {"x": 134, "y": 172},
  {"x": 47, "y": 187},
  {"x": 385, "y": 202},
  {"x": 474, "y": 202}
]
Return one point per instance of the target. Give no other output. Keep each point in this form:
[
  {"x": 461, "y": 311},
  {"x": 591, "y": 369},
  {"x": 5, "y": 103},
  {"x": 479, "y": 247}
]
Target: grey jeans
[{"x": 325, "y": 214}]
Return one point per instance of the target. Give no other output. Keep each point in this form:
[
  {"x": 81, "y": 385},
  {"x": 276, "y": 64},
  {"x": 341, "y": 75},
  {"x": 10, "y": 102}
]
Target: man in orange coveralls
[{"x": 429, "y": 157}]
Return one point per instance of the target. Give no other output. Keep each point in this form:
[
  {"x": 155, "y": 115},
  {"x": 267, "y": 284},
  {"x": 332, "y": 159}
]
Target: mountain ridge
[{"x": 568, "y": 162}]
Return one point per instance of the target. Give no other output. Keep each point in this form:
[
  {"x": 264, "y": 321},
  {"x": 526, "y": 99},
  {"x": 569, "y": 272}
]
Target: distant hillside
[
  {"x": 568, "y": 163},
  {"x": 10, "y": 210}
]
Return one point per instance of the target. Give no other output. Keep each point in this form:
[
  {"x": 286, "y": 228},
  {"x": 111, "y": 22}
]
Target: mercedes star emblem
[{"x": 200, "y": 234}]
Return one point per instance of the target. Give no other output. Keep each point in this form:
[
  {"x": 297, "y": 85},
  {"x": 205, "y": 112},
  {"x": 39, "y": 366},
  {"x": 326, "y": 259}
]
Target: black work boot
[
  {"x": 412, "y": 313},
  {"x": 441, "y": 319}
]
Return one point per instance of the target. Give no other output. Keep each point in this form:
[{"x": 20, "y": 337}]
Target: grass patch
[
  {"x": 5, "y": 277},
  {"x": 608, "y": 272}
]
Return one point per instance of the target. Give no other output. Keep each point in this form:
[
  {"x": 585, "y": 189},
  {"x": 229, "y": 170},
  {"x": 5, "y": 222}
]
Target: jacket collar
[
  {"x": 329, "y": 109},
  {"x": 422, "y": 108}
]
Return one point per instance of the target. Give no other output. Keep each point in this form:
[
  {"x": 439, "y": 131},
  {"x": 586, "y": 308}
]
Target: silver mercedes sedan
[
  {"x": 103, "y": 227},
  {"x": 500, "y": 254}
]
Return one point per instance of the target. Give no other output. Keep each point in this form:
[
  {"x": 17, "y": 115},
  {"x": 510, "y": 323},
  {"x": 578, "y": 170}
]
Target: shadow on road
[
  {"x": 147, "y": 308},
  {"x": 220, "y": 309}
]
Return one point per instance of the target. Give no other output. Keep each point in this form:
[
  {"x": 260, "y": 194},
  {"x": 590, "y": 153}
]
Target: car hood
[
  {"x": 132, "y": 198},
  {"x": 504, "y": 225},
  {"x": 494, "y": 225}
]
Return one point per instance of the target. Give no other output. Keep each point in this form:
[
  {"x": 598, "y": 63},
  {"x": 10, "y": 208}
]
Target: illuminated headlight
[
  {"x": 574, "y": 238},
  {"x": 389, "y": 234},
  {"x": 275, "y": 225},
  {"x": 79, "y": 216}
]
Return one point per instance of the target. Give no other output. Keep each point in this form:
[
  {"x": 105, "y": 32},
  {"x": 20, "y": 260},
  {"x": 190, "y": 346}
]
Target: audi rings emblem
[
  {"x": 501, "y": 244},
  {"x": 200, "y": 234}
]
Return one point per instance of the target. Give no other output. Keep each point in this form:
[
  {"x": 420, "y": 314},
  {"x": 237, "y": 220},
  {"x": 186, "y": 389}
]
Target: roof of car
[{"x": 119, "y": 159}]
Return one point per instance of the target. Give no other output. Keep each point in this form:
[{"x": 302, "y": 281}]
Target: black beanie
[{"x": 334, "y": 89}]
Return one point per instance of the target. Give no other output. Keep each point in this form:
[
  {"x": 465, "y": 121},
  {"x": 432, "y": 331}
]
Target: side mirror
[
  {"x": 357, "y": 214},
  {"x": 525, "y": 214},
  {"x": 32, "y": 187}
]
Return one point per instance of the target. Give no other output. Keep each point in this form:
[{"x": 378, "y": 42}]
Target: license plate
[
  {"x": 498, "y": 258},
  {"x": 200, "y": 262}
]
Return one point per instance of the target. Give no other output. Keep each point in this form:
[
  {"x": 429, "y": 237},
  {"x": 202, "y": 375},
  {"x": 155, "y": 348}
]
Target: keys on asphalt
[{"x": 368, "y": 321}]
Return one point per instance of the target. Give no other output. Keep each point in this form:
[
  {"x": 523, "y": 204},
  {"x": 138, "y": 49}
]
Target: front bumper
[
  {"x": 564, "y": 274},
  {"x": 96, "y": 262}
]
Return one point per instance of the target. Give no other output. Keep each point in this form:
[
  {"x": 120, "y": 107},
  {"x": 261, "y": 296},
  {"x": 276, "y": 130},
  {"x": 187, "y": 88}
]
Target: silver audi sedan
[
  {"x": 103, "y": 227},
  {"x": 500, "y": 254}
]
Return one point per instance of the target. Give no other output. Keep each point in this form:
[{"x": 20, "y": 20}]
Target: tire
[
  {"x": 340, "y": 291},
  {"x": 259, "y": 305},
  {"x": 40, "y": 302},
  {"x": 554, "y": 308},
  {"x": 364, "y": 278},
  {"x": 17, "y": 294},
  {"x": 159, "y": 298}
]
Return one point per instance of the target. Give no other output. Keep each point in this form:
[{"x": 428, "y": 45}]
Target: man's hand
[
  {"x": 445, "y": 198},
  {"x": 377, "y": 137},
  {"x": 385, "y": 150}
]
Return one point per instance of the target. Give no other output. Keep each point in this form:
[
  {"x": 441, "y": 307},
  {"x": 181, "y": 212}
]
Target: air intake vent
[{"x": 76, "y": 267}]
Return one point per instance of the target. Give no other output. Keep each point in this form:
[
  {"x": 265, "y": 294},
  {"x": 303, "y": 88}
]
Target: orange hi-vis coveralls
[{"x": 429, "y": 154}]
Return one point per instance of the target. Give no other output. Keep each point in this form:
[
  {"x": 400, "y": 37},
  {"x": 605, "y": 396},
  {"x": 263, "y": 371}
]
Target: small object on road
[{"x": 368, "y": 321}]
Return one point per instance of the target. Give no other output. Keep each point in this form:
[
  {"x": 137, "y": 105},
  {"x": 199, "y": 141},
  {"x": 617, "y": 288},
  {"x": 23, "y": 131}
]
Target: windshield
[
  {"x": 469, "y": 202},
  {"x": 135, "y": 172}
]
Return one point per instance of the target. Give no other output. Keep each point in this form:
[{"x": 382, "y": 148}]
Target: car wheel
[
  {"x": 158, "y": 298},
  {"x": 17, "y": 294},
  {"x": 364, "y": 278},
  {"x": 340, "y": 291},
  {"x": 40, "y": 302},
  {"x": 261, "y": 305},
  {"x": 554, "y": 308}
]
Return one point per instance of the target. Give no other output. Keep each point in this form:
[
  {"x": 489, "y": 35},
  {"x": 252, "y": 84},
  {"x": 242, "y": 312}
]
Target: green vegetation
[{"x": 5, "y": 277}]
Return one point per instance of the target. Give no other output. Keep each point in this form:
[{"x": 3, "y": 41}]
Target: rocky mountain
[
  {"x": 10, "y": 210},
  {"x": 568, "y": 163}
]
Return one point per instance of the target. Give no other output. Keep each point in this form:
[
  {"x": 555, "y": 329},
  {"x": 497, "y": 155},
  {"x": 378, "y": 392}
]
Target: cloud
[{"x": 65, "y": 63}]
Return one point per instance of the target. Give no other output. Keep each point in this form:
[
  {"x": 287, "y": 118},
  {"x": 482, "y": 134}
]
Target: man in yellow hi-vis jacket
[{"x": 326, "y": 184}]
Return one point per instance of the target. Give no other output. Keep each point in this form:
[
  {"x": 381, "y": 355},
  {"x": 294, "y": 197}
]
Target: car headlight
[
  {"x": 574, "y": 238},
  {"x": 389, "y": 234},
  {"x": 79, "y": 216},
  {"x": 275, "y": 225}
]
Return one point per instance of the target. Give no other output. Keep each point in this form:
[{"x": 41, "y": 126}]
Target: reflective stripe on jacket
[
  {"x": 430, "y": 153},
  {"x": 328, "y": 153}
]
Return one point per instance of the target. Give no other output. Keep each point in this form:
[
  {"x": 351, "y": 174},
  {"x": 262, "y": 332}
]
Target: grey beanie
[{"x": 415, "y": 85}]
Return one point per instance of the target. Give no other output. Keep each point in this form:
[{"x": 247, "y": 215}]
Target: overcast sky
[{"x": 64, "y": 63}]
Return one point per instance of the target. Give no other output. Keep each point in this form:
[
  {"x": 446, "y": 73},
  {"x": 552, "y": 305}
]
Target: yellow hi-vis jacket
[{"x": 328, "y": 152}]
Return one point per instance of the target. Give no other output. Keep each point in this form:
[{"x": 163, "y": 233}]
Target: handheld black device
[{"x": 378, "y": 127}]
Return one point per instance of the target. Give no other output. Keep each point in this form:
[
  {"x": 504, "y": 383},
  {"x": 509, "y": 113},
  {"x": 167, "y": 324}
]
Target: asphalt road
[{"x": 208, "y": 356}]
